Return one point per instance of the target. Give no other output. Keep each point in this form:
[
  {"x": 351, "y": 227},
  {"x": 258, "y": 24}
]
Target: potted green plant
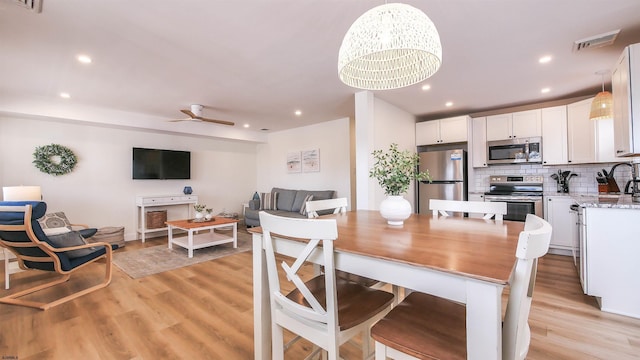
[
  {"x": 199, "y": 208},
  {"x": 395, "y": 170}
]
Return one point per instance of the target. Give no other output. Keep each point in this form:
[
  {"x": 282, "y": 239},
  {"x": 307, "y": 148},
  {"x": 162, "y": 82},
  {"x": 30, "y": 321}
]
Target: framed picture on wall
[
  {"x": 293, "y": 162},
  {"x": 311, "y": 160}
]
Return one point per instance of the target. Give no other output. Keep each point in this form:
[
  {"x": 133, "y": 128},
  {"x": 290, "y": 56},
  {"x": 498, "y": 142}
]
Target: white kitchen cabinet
[
  {"x": 588, "y": 141},
  {"x": 428, "y": 132},
  {"x": 581, "y": 133},
  {"x": 554, "y": 135},
  {"x": 476, "y": 197},
  {"x": 625, "y": 83},
  {"x": 442, "y": 131},
  {"x": 605, "y": 151},
  {"x": 479, "y": 142},
  {"x": 557, "y": 212},
  {"x": 499, "y": 127},
  {"x": 514, "y": 125},
  {"x": 611, "y": 249}
]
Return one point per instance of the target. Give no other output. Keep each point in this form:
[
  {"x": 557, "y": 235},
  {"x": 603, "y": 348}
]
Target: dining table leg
[
  {"x": 261, "y": 305},
  {"x": 484, "y": 314}
]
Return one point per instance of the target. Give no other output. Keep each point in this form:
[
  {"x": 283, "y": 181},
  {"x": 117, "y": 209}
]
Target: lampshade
[
  {"x": 21, "y": 193},
  {"x": 602, "y": 106},
  {"x": 389, "y": 47}
]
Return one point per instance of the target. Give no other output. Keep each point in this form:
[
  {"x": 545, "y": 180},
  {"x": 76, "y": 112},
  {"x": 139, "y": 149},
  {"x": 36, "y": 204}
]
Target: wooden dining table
[{"x": 463, "y": 259}]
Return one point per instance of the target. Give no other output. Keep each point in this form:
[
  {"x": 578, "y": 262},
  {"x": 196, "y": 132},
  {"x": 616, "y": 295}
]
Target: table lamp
[{"x": 21, "y": 193}]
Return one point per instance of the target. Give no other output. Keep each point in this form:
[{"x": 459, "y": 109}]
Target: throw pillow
[
  {"x": 268, "y": 201},
  {"x": 54, "y": 220},
  {"x": 68, "y": 239},
  {"x": 303, "y": 209}
]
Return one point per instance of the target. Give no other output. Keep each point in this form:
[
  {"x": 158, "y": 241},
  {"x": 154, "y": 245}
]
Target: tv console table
[{"x": 145, "y": 202}]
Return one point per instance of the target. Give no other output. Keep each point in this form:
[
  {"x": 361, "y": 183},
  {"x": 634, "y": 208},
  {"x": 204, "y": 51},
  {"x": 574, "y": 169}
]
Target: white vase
[
  {"x": 199, "y": 216},
  {"x": 208, "y": 216},
  {"x": 396, "y": 209}
]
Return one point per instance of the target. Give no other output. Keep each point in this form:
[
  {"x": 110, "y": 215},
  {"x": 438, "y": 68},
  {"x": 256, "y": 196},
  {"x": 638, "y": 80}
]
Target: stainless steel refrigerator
[{"x": 448, "y": 170}]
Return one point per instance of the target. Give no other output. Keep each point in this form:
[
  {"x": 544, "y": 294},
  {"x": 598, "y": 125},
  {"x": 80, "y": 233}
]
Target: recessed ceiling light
[
  {"x": 448, "y": 104},
  {"x": 84, "y": 59},
  {"x": 298, "y": 112},
  {"x": 545, "y": 59},
  {"x": 246, "y": 125},
  {"x": 65, "y": 95},
  {"x": 545, "y": 90},
  {"x": 426, "y": 87}
]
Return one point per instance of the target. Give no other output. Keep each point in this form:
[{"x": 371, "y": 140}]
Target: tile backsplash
[{"x": 585, "y": 182}]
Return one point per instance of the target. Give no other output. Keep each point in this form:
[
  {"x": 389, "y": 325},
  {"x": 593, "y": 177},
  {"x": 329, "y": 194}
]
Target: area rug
[{"x": 157, "y": 259}]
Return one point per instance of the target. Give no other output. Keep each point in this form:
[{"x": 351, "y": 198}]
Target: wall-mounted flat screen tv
[{"x": 161, "y": 164}]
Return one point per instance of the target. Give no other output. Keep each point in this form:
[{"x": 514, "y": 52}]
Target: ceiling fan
[{"x": 195, "y": 114}]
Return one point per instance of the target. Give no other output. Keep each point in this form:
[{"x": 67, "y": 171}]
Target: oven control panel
[{"x": 516, "y": 179}]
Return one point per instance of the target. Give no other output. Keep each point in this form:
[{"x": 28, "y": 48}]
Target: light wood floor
[{"x": 205, "y": 312}]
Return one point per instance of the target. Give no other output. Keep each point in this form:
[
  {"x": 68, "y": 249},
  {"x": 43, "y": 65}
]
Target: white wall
[
  {"x": 100, "y": 192},
  {"x": 333, "y": 140}
]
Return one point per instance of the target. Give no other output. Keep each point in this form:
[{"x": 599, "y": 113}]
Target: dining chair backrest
[
  {"x": 339, "y": 204},
  {"x": 311, "y": 309},
  {"x": 489, "y": 209},
  {"x": 316, "y": 239},
  {"x": 532, "y": 244},
  {"x": 429, "y": 327}
]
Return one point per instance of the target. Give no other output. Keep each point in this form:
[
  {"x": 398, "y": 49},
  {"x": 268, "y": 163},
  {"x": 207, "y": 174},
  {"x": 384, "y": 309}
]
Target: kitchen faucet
[{"x": 633, "y": 183}]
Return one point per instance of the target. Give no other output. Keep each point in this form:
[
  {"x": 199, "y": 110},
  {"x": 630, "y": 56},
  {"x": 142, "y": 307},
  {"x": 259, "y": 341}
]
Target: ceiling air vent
[
  {"x": 596, "y": 41},
  {"x": 33, "y": 5}
]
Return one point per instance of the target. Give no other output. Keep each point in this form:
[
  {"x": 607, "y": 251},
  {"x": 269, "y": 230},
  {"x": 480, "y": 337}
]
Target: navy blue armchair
[{"x": 21, "y": 233}]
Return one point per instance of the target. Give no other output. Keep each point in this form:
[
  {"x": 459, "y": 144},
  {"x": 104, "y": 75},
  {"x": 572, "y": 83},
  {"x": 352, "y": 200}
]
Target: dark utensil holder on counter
[
  {"x": 610, "y": 187},
  {"x": 563, "y": 187}
]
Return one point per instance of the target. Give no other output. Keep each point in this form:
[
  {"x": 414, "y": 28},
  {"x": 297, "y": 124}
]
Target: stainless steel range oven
[{"x": 522, "y": 193}]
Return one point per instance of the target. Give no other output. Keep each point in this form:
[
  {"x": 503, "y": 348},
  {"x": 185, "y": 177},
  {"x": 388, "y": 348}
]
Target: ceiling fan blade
[
  {"x": 188, "y": 112},
  {"x": 222, "y": 122}
]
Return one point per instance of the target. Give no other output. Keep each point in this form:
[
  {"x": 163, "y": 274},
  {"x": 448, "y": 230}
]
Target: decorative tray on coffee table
[{"x": 203, "y": 220}]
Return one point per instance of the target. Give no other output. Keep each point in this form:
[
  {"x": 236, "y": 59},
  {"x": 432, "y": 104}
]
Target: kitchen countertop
[
  {"x": 606, "y": 201},
  {"x": 595, "y": 200}
]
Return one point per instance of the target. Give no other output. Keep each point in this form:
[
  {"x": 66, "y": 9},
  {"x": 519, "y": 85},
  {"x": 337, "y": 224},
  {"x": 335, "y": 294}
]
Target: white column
[{"x": 364, "y": 126}]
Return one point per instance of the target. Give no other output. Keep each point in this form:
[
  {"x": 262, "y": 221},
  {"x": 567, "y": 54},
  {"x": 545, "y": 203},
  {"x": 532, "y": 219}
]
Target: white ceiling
[{"x": 257, "y": 61}]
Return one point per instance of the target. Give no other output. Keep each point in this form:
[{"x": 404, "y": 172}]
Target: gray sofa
[{"x": 288, "y": 204}]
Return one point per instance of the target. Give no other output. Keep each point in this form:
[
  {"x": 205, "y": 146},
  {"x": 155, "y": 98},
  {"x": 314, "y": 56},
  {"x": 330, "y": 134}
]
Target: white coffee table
[{"x": 195, "y": 240}]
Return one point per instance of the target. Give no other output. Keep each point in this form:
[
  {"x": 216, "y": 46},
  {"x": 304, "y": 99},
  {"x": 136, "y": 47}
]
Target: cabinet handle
[
  {"x": 619, "y": 151},
  {"x": 568, "y": 160}
]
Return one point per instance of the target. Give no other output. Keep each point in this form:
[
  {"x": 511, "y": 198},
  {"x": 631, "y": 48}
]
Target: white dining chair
[
  {"x": 488, "y": 209},
  {"x": 428, "y": 327},
  {"x": 339, "y": 205},
  {"x": 324, "y": 310}
]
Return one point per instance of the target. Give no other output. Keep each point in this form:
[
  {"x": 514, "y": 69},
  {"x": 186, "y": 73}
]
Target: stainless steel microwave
[{"x": 515, "y": 151}]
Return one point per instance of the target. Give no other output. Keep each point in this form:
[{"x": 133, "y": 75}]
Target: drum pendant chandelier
[
  {"x": 602, "y": 104},
  {"x": 390, "y": 46}
]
